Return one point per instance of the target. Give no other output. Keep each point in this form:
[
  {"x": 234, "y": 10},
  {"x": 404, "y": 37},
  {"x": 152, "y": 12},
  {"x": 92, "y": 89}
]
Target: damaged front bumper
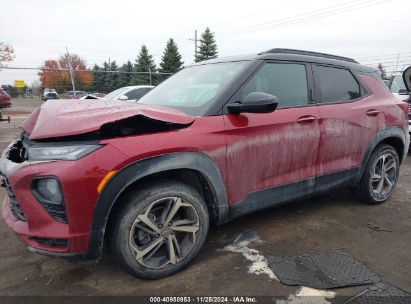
[{"x": 33, "y": 221}]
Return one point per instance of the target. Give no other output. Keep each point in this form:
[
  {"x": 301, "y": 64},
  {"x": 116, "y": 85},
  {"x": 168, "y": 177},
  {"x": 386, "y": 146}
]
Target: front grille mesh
[{"x": 14, "y": 205}]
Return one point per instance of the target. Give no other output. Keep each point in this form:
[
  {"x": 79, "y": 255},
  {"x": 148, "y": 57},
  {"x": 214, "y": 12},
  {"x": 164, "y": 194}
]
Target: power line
[
  {"x": 304, "y": 17},
  {"x": 91, "y": 71},
  {"x": 256, "y": 14}
]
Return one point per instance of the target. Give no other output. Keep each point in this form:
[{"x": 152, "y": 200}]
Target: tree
[
  {"x": 6, "y": 53},
  {"x": 82, "y": 78},
  {"x": 111, "y": 78},
  {"x": 382, "y": 71},
  {"x": 126, "y": 74},
  {"x": 171, "y": 59},
  {"x": 55, "y": 74},
  {"x": 99, "y": 79},
  {"x": 144, "y": 63},
  {"x": 208, "y": 46}
]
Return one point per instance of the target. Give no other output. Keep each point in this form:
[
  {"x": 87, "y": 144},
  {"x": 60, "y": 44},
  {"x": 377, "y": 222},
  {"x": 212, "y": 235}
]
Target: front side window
[
  {"x": 286, "y": 81},
  {"x": 194, "y": 89},
  {"x": 337, "y": 85}
]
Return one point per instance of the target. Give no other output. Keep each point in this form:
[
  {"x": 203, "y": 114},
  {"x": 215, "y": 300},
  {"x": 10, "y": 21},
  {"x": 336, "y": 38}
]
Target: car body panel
[
  {"x": 265, "y": 150},
  {"x": 67, "y": 117}
]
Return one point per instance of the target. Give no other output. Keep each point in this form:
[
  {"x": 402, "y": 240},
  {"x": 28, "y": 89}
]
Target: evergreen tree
[
  {"x": 112, "y": 77},
  {"x": 208, "y": 46},
  {"x": 171, "y": 59},
  {"x": 125, "y": 78},
  {"x": 98, "y": 79},
  {"x": 382, "y": 71},
  {"x": 105, "y": 78},
  {"x": 144, "y": 63}
]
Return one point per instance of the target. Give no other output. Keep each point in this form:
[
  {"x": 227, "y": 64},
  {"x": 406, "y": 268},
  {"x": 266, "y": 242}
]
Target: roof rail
[{"x": 307, "y": 53}]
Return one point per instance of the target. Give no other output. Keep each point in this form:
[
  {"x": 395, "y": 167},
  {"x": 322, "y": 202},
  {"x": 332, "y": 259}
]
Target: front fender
[{"x": 142, "y": 168}]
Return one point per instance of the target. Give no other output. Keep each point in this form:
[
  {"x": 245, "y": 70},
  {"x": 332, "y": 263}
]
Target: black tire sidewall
[{"x": 134, "y": 205}]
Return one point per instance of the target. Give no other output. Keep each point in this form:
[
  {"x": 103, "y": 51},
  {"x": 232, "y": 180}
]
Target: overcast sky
[{"x": 368, "y": 30}]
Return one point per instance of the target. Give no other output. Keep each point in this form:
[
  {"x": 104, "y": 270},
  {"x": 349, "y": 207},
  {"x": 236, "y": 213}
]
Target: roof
[{"x": 282, "y": 54}]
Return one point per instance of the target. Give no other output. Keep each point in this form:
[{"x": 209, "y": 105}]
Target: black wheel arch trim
[
  {"x": 136, "y": 171},
  {"x": 389, "y": 132}
]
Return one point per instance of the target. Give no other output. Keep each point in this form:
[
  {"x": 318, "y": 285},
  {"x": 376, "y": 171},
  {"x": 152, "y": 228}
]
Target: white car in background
[
  {"x": 398, "y": 88},
  {"x": 125, "y": 93}
]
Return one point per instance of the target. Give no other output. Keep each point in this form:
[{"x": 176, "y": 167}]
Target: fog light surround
[{"x": 47, "y": 191}]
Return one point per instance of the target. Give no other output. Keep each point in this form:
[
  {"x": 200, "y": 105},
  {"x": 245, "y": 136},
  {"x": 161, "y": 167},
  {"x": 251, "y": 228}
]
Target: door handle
[
  {"x": 373, "y": 112},
  {"x": 306, "y": 119}
]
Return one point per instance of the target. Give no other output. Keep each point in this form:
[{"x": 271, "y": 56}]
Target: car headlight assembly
[{"x": 69, "y": 152}]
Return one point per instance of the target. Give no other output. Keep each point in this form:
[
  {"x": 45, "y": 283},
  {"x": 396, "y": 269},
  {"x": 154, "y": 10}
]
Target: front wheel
[
  {"x": 159, "y": 230},
  {"x": 380, "y": 176}
]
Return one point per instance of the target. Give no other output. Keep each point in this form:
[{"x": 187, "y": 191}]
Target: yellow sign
[{"x": 19, "y": 84}]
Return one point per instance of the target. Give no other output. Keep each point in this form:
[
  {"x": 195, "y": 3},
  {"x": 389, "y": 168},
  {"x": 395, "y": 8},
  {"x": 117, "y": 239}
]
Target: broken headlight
[{"x": 69, "y": 152}]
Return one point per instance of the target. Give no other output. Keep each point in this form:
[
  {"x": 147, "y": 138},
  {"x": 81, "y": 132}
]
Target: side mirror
[
  {"x": 255, "y": 102},
  {"x": 122, "y": 97}
]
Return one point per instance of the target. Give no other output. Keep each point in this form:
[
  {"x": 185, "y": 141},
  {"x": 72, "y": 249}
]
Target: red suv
[{"x": 218, "y": 140}]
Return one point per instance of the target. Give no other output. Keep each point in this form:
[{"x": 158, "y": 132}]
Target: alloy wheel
[
  {"x": 164, "y": 233},
  {"x": 384, "y": 176}
]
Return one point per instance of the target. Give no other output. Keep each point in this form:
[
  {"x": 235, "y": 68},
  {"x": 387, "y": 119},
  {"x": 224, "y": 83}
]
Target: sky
[{"x": 370, "y": 31}]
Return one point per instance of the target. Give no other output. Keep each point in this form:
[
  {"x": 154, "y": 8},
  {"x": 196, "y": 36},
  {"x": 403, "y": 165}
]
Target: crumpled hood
[{"x": 59, "y": 118}]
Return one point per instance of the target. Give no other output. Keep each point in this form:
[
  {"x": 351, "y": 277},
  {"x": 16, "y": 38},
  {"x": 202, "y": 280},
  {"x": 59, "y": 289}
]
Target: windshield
[
  {"x": 193, "y": 89},
  {"x": 397, "y": 84},
  {"x": 115, "y": 94}
]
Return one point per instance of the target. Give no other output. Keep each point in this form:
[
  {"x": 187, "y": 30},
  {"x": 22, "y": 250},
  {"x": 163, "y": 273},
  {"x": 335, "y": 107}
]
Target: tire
[
  {"x": 143, "y": 222},
  {"x": 369, "y": 189}
]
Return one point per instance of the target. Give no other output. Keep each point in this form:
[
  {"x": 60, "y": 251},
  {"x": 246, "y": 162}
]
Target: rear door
[
  {"x": 349, "y": 119},
  {"x": 274, "y": 150}
]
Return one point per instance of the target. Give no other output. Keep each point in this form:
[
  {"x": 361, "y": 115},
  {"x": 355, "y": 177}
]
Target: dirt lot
[{"x": 325, "y": 223}]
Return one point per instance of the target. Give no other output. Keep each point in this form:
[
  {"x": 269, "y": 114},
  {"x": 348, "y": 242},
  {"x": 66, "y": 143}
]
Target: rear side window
[
  {"x": 286, "y": 81},
  {"x": 336, "y": 85}
]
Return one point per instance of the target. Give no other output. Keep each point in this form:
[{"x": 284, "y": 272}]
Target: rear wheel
[
  {"x": 159, "y": 230},
  {"x": 380, "y": 176}
]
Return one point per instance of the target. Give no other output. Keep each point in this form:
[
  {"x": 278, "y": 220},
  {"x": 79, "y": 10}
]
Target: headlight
[{"x": 60, "y": 152}]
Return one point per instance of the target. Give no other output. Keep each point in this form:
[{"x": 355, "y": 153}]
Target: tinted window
[
  {"x": 337, "y": 85},
  {"x": 136, "y": 93},
  {"x": 286, "y": 81}
]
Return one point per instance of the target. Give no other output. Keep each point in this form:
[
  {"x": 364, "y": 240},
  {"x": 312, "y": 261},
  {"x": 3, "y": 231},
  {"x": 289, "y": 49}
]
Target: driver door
[{"x": 272, "y": 157}]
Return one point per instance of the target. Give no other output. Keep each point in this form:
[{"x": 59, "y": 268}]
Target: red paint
[
  {"x": 252, "y": 151},
  {"x": 5, "y": 100},
  {"x": 70, "y": 117}
]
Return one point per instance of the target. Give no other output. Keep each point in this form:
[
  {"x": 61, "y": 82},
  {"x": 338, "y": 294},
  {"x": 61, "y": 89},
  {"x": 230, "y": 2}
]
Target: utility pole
[
  {"x": 71, "y": 72},
  {"x": 396, "y": 66},
  {"x": 195, "y": 43}
]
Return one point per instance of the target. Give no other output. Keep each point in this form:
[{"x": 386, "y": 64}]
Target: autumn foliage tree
[
  {"x": 6, "y": 53},
  {"x": 55, "y": 73}
]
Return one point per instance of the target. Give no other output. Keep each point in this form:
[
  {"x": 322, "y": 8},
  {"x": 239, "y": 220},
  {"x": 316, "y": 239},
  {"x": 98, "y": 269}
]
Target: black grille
[
  {"x": 14, "y": 205},
  {"x": 409, "y": 110},
  {"x": 60, "y": 243}
]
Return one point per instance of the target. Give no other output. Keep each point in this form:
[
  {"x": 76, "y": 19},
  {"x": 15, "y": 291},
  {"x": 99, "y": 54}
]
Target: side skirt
[{"x": 303, "y": 189}]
